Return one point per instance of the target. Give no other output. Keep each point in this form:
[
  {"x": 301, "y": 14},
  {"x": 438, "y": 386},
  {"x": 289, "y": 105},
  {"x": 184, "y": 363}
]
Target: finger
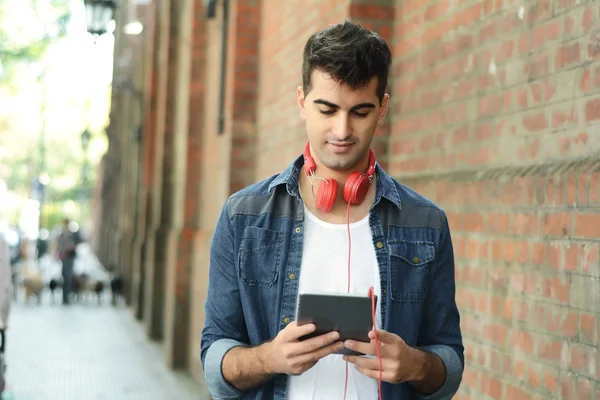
[
  {"x": 364, "y": 362},
  {"x": 384, "y": 336},
  {"x": 294, "y": 332},
  {"x": 373, "y": 374},
  {"x": 315, "y": 343},
  {"x": 321, "y": 352},
  {"x": 361, "y": 347}
]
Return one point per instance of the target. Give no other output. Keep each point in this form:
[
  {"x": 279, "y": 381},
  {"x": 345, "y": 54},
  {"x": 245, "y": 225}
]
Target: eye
[
  {"x": 328, "y": 111},
  {"x": 360, "y": 114}
]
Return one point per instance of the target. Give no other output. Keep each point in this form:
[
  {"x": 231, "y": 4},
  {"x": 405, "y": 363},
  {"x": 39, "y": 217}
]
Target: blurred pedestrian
[
  {"x": 6, "y": 289},
  {"x": 67, "y": 242}
]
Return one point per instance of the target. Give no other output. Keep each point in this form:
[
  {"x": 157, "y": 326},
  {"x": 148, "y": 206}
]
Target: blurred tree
[{"x": 27, "y": 28}]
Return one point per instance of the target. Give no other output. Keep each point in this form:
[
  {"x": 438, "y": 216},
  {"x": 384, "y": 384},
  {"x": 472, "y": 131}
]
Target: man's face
[{"x": 340, "y": 121}]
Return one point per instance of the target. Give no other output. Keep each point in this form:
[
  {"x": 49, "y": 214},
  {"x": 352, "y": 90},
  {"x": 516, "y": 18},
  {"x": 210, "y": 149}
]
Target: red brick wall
[
  {"x": 243, "y": 86},
  {"x": 496, "y": 117}
]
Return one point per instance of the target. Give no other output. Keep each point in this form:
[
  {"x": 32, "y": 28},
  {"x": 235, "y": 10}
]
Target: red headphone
[{"x": 355, "y": 189}]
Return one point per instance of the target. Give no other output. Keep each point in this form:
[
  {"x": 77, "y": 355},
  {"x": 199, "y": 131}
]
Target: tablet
[{"x": 350, "y": 315}]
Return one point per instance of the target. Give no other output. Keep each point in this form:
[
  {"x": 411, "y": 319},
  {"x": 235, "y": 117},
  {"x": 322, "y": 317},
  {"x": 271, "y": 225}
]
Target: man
[
  {"x": 6, "y": 284},
  {"x": 288, "y": 235},
  {"x": 67, "y": 242},
  {"x": 6, "y": 289}
]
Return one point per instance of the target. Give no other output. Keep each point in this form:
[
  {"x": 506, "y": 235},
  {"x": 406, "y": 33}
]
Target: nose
[{"x": 341, "y": 126}]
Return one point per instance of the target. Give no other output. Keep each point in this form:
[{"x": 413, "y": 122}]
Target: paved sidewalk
[{"x": 86, "y": 351}]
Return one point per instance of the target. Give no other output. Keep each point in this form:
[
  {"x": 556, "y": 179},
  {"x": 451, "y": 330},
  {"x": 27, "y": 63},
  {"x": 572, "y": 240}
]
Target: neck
[{"x": 338, "y": 214}]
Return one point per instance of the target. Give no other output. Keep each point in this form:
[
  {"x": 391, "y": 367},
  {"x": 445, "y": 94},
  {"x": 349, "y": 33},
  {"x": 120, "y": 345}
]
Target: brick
[
  {"x": 535, "y": 122},
  {"x": 523, "y": 341},
  {"x": 595, "y": 187},
  {"x": 559, "y": 224},
  {"x": 585, "y": 388},
  {"x": 571, "y": 257},
  {"x": 517, "y": 393},
  {"x": 551, "y": 380},
  {"x": 525, "y": 224},
  {"x": 550, "y": 350},
  {"x": 562, "y": 120},
  {"x": 497, "y": 223},
  {"x": 587, "y": 225},
  {"x": 523, "y": 252},
  {"x": 556, "y": 288},
  {"x": 535, "y": 379},
  {"x": 590, "y": 263},
  {"x": 474, "y": 222},
  {"x": 583, "y": 359},
  {"x": 588, "y": 324},
  {"x": 567, "y": 55},
  {"x": 569, "y": 325},
  {"x": 592, "y": 110},
  {"x": 492, "y": 387},
  {"x": 537, "y": 66},
  {"x": 567, "y": 387},
  {"x": 538, "y": 253},
  {"x": 585, "y": 83}
]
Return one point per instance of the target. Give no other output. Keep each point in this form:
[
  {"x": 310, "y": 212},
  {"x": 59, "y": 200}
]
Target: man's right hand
[{"x": 287, "y": 355}]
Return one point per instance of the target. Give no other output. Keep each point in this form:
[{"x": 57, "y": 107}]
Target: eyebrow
[{"x": 335, "y": 106}]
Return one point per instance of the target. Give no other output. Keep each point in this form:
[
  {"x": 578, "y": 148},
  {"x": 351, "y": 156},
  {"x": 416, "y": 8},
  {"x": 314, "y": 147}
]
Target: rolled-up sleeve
[
  {"x": 440, "y": 328},
  {"x": 218, "y": 387},
  {"x": 224, "y": 324}
]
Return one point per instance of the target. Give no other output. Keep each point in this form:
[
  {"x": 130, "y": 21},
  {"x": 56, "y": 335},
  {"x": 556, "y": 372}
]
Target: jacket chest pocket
[
  {"x": 410, "y": 263},
  {"x": 259, "y": 256}
]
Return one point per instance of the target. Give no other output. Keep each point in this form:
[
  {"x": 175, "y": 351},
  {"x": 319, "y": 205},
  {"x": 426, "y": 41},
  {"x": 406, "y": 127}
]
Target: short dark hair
[{"x": 350, "y": 53}]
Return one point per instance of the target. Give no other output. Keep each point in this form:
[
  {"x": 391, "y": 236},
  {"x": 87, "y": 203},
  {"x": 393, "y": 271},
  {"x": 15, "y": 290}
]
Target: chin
[{"x": 341, "y": 163}]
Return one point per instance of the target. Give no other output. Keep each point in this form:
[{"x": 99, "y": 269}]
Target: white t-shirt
[{"x": 324, "y": 269}]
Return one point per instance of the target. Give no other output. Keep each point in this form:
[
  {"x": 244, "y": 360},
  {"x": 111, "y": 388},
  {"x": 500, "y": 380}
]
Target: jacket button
[
  {"x": 416, "y": 259},
  {"x": 286, "y": 320},
  {"x": 297, "y": 230},
  {"x": 292, "y": 276},
  {"x": 379, "y": 245}
]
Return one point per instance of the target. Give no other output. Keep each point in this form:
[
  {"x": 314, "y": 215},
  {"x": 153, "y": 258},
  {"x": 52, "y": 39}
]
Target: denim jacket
[{"x": 255, "y": 259}]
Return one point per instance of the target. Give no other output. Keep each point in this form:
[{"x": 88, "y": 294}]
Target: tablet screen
[{"x": 350, "y": 315}]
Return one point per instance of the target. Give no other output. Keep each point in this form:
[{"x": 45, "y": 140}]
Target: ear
[
  {"x": 384, "y": 109},
  {"x": 300, "y": 96}
]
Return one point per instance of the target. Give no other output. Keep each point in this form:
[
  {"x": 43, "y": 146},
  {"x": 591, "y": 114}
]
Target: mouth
[{"x": 340, "y": 147}]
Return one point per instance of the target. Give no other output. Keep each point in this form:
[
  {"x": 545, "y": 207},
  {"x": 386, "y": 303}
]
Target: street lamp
[{"x": 99, "y": 13}]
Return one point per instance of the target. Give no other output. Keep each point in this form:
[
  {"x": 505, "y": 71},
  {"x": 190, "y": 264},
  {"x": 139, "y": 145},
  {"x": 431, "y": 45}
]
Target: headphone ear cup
[
  {"x": 326, "y": 195},
  {"x": 356, "y": 188}
]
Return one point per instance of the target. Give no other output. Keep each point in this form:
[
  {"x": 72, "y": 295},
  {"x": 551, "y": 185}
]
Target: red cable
[
  {"x": 377, "y": 342},
  {"x": 349, "y": 252},
  {"x": 372, "y": 295}
]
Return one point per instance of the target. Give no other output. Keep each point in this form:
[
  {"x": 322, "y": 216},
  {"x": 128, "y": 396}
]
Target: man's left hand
[{"x": 400, "y": 361}]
